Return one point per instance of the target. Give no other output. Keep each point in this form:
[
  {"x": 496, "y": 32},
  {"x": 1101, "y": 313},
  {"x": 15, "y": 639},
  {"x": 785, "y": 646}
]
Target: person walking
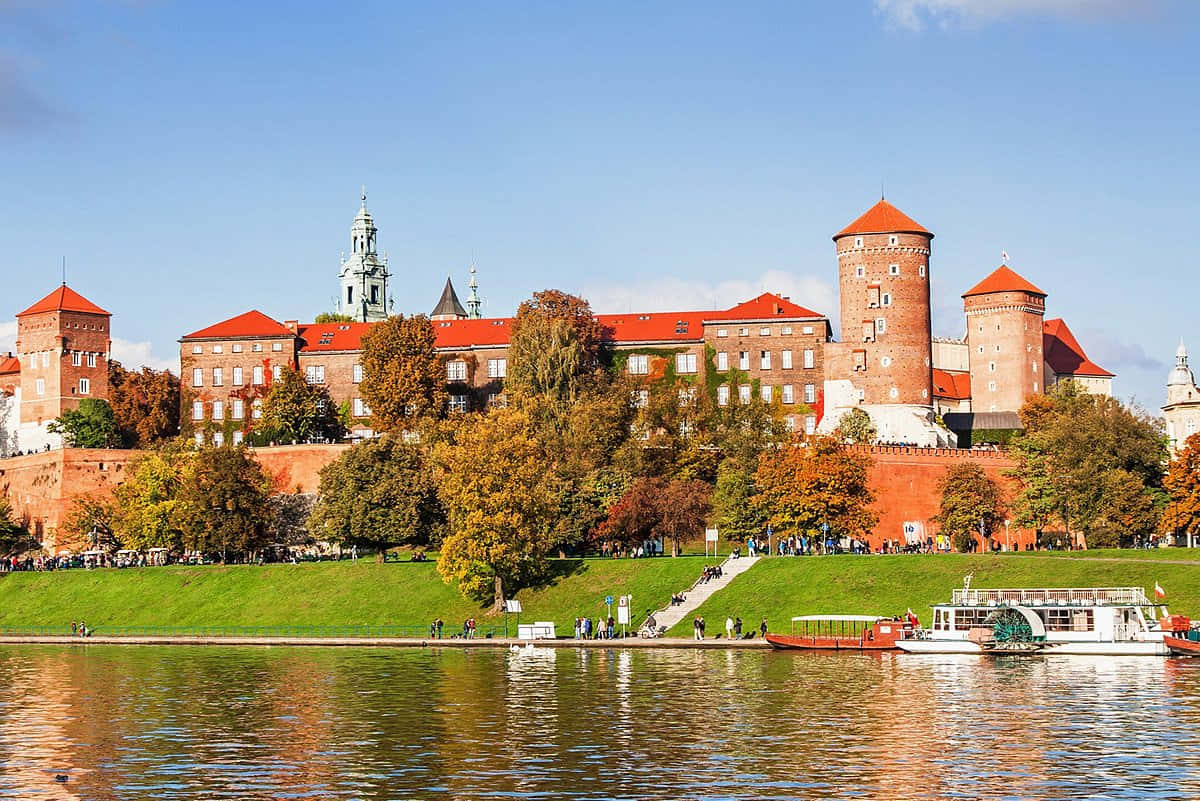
[
  {"x": 612, "y": 628},
  {"x": 729, "y": 628},
  {"x": 737, "y": 627},
  {"x": 695, "y": 628},
  {"x": 762, "y": 627},
  {"x": 702, "y": 628}
]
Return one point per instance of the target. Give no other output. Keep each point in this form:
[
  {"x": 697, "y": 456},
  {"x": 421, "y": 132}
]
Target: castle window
[
  {"x": 236, "y": 347},
  {"x": 256, "y": 347},
  {"x": 886, "y": 361},
  {"x": 197, "y": 410},
  {"x": 256, "y": 409},
  {"x": 722, "y": 332},
  {"x": 218, "y": 438},
  {"x": 744, "y": 393},
  {"x": 357, "y": 373},
  {"x": 1034, "y": 366},
  {"x": 218, "y": 377},
  {"x": 197, "y": 377},
  {"x": 85, "y": 386},
  {"x": 276, "y": 372},
  {"x": 893, "y": 240},
  {"x": 374, "y": 294},
  {"x": 91, "y": 360},
  {"x": 921, "y": 270},
  {"x": 687, "y": 396},
  {"x": 639, "y": 364},
  {"x": 497, "y": 368},
  {"x": 723, "y": 395},
  {"x": 785, "y": 359},
  {"x": 991, "y": 367},
  {"x": 743, "y": 332},
  {"x": 685, "y": 362},
  {"x": 893, "y": 269},
  {"x": 764, "y": 360},
  {"x": 893, "y": 393},
  {"x": 810, "y": 393},
  {"x": 237, "y": 408},
  {"x": 238, "y": 437},
  {"x": 76, "y": 359},
  {"x": 872, "y": 297},
  {"x": 785, "y": 331},
  {"x": 744, "y": 360},
  {"x": 786, "y": 393},
  {"x": 860, "y": 271},
  {"x": 45, "y": 358},
  {"x": 991, "y": 386},
  {"x": 349, "y": 296},
  {"x": 764, "y": 332},
  {"x": 810, "y": 425},
  {"x": 858, "y": 241},
  {"x": 887, "y": 299},
  {"x": 809, "y": 361},
  {"x": 315, "y": 373},
  {"x": 277, "y": 347},
  {"x": 360, "y": 408},
  {"x": 808, "y": 329},
  {"x": 722, "y": 361},
  {"x": 456, "y": 370},
  {"x": 1035, "y": 388},
  {"x": 997, "y": 347},
  {"x": 880, "y": 325},
  {"x": 497, "y": 400},
  {"x": 860, "y": 361},
  {"x": 197, "y": 349},
  {"x": 218, "y": 410},
  {"x": 218, "y": 349},
  {"x": 766, "y": 392},
  {"x": 256, "y": 375},
  {"x": 199, "y": 438},
  {"x": 639, "y": 398}
]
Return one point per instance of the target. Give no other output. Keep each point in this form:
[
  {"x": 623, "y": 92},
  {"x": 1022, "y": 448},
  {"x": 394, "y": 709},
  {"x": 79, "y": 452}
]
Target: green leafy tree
[
  {"x": 145, "y": 405},
  {"x": 92, "y": 425},
  {"x": 545, "y": 359},
  {"x": 856, "y": 427},
  {"x": 147, "y": 508},
  {"x": 379, "y": 493},
  {"x": 223, "y": 502},
  {"x": 333, "y": 317},
  {"x": 735, "y": 510},
  {"x": 91, "y": 523},
  {"x": 297, "y": 411},
  {"x": 971, "y": 501},
  {"x": 501, "y": 506},
  {"x": 15, "y": 538},
  {"x": 404, "y": 381}
]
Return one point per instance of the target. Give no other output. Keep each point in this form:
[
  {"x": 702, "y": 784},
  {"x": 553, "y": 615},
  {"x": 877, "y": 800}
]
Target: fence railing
[{"x": 255, "y": 632}]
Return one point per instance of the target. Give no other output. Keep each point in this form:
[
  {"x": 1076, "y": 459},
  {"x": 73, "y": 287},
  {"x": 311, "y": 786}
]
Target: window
[
  {"x": 764, "y": 360},
  {"x": 991, "y": 386},
  {"x": 197, "y": 410},
  {"x": 276, "y": 372},
  {"x": 893, "y": 393},
  {"x": 685, "y": 362},
  {"x": 256, "y": 408},
  {"x": 893, "y": 240},
  {"x": 238, "y": 437},
  {"x": 85, "y": 386},
  {"x": 218, "y": 349},
  {"x": 723, "y": 395},
  {"x": 315, "y": 373},
  {"x": 40, "y": 385},
  {"x": 497, "y": 399},
  {"x": 45, "y": 358},
  {"x": 880, "y": 325},
  {"x": 218, "y": 410},
  {"x": 1035, "y": 389},
  {"x": 218, "y": 379},
  {"x": 256, "y": 347},
  {"x": 236, "y": 347},
  {"x": 200, "y": 438},
  {"x": 991, "y": 367},
  {"x": 887, "y": 299},
  {"x": 810, "y": 425},
  {"x": 786, "y": 392},
  {"x": 785, "y": 359},
  {"x": 893, "y": 269},
  {"x": 457, "y": 403},
  {"x": 764, "y": 332},
  {"x": 766, "y": 392},
  {"x": 858, "y": 241},
  {"x": 218, "y": 438},
  {"x": 237, "y": 408},
  {"x": 91, "y": 360},
  {"x": 640, "y": 398},
  {"x": 744, "y": 360},
  {"x": 361, "y": 409},
  {"x": 808, "y": 329},
  {"x": 497, "y": 368},
  {"x": 722, "y": 332},
  {"x": 722, "y": 361},
  {"x": 808, "y": 359},
  {"x": 76, "y": 359},
  {"x": 921, "y": 270},
  {"x": 639, "y": 364},
  {"x": 256, "y": 375},
  {"x": 197, "y": 349},
  {"x": 357, "y": 373},
  {"x": 743, "y": 332},
  {"x": 277, "y": 347},
  {"x": 685, "y": 428},
  {"x": 1034, "y": 366},
  {"x": 868, "y": 331},
  {"x": 237, "y": 376},
  {"x": 860, "y": 271},
  {"x": 872, "y": 297},
  {"x": 744, "y": 393},
  {"x": 810, "y": 393},
  {"x": 785, "y": 331},
  {"x": 886, "y": 361},
  {"x": 197, "y": 377},
  {"x": 687, "y": 396}
]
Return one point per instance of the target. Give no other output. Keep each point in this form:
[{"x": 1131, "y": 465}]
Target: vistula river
[{"x": 129, "y": 722}]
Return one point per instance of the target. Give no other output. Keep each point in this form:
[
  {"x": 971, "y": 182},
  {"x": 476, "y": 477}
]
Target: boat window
[
  {"x": 970, "y": 618},
  {"x": 1068, "y": 619}
]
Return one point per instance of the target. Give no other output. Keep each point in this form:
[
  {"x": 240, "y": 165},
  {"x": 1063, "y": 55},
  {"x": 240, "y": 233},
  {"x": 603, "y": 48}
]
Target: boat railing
[{"x": 1085, "y": 596}]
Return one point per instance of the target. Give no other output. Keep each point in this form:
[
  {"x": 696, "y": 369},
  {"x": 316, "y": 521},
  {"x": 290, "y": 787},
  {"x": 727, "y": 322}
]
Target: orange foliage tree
[
  {"x": 403, "y": 379},
  {"x": 1182, "y": 484},
  {"x": 814, "y": 482}
]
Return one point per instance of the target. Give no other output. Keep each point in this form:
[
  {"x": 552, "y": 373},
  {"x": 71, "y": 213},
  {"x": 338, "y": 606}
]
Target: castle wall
[{"x": 1004, "y": 337}]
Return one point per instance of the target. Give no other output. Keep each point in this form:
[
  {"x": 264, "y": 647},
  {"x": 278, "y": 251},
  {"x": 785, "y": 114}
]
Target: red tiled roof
[
  {"x": 468, "y": 333},
  {"x": 1064, "y": 354},
  {"x": 653, "y": 326},
  {"x": 324, "y": 337},
  {"x": 1003, "y": 279},
  {"x": 64, "y": 299},
  {"x": 250, "y": 324},
  {"x": 951, "y": 385},
  {"x": 767, "y": 306},
  {"x": 9, "y": 364},
  {"x": 883, "y": 218}
]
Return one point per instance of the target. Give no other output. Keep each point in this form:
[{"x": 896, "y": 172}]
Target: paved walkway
[
  {"x": 700, "y": 592},
  {"x": 383, "y": 642}
]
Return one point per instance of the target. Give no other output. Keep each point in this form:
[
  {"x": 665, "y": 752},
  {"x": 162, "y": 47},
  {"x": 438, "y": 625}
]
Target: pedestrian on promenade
[
  {"x": 729, "y": 628},
  {"x": 702, "y": 628},
  {"x": 471, "y": 625},
  {"x": 762, "y": 628},
  {"x": 577, "y": 627},
  {"x": 695, "y": 628},
  {"x": 354, "y": 553},
  {"x": 600, "y": 628},
  {"x": 737, "y": 627},
  {"x": 439, "y": 623},
  {"x": 74, "y": 628},
  {"x": 612, "y": 628}
]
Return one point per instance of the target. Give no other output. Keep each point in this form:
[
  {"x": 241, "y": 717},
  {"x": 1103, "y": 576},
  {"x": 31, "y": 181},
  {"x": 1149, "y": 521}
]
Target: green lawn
[
  {"x": 323, "y": 594},
  {"x": 779, "y": 588}
]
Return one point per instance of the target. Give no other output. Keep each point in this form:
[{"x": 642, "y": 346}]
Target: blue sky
[{"x": 194, "y": 160}]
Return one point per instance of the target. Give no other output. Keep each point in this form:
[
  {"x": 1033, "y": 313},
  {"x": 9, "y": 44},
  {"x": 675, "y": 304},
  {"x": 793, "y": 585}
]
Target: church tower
[
  {"x": 1182, "y": 409},
  {"x": 364, "y": 292}
]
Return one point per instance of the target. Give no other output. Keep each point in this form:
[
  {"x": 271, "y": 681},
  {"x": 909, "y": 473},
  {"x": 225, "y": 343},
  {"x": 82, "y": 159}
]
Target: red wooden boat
[
  {"x": 1181, "y": 646},
  {"x": 844, "y": 633},
  {"x": 1177, "y": 636}
]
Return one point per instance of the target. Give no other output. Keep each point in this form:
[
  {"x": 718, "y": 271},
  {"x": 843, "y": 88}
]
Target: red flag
[{"x": 1159, "y": 592}]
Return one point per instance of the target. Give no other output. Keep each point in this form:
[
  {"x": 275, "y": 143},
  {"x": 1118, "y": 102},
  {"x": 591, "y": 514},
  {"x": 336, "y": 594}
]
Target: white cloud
[
  {"x": 916, "y": 14},
  {"x": 687, "y": 294},
  {"x": 132, "y": 355}
]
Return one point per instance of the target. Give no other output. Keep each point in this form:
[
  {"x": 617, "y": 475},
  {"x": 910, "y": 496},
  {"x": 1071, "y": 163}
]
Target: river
[{"x": 136, "y": 722}]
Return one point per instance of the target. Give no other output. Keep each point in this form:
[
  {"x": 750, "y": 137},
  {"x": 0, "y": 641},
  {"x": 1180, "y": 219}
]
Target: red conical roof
[
  {"x": 883, "y": 218},
  {"x": 1003, "y": 279},
  {"x": 64, "y": 299}
]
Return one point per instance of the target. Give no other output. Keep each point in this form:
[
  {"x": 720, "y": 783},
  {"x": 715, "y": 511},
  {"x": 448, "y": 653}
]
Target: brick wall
[
  {"x": 1004, "y": 337},
  {"x": 224, "y": 355},
  {"x": 48, "y": 345},
  {"x": 755, "y": 339}
]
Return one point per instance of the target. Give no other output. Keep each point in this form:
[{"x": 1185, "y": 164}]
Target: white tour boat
[{"x": 1117, "y": 621}]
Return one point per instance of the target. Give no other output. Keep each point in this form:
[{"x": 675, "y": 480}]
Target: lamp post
[{"x": 1007, "y": 541}]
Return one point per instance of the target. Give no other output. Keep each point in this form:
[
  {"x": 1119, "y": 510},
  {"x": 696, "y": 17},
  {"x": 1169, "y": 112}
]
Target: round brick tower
[
  {"x": 1004, "y": 335},
  {"x": 883, "y": 274}
]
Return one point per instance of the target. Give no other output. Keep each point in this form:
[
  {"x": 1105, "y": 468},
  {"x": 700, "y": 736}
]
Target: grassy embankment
[
  {"x": 779, "y": 588},
  {"x": 326, "y": 594}
]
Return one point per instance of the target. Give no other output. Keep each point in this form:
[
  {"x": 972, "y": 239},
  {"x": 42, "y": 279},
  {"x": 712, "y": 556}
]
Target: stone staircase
[{"x": 700, "y": 592}]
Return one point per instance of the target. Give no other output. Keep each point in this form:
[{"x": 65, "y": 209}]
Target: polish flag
[{"x": 1159, "y": 592}]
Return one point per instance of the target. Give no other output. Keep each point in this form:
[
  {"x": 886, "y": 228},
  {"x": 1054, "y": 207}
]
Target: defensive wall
[{"x": 42, "y": 487}]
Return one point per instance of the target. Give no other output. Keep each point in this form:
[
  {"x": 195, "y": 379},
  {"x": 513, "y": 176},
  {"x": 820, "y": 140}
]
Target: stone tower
[
  {"x": 1004, "y": 338},
  {"x": 364, "y": 290},
  {"x": 1183, "y": 402},
  {"x": 883, "y": 276}
]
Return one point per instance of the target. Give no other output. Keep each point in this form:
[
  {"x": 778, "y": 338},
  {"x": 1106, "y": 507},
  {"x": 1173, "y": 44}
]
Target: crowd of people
[{"x": 600, "y": 629}]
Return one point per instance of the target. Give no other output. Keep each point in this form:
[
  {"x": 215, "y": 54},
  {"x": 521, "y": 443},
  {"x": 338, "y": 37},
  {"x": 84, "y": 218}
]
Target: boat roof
[
  {"x": 840, "y": 618},
  {"x": 1056, "y": 596}
]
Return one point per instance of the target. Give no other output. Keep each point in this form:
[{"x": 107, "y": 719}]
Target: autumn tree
[
  {"x": 222, "y": 502},
  {"x": 92, "y": 425},
  {"x": 333, "y": 317},
  {"x": 146, "y": 506},
  {"x": 1182, "y": 483},
  {"x": 91, "y": 520},
  {"x": 15, "y": 538},
  {"x": 634, "y": 518},
  {"x": 289, "y": 516},
  {"x": 545, "y": 359},
  {"x": 554, "y": 304},
  {"x": 379, "y": 493},
  {"x": 404, "y": 381},
  {"x": 657, "y": 508},
  {"x": 855, "y": 427},
  {"x": 972, "y": 505},
  {"x": 297, "y": 411},
  {"x": 804, "y": 486},
  {"x": 501, "y": 506},
  {"x": 145, "y": 404}
]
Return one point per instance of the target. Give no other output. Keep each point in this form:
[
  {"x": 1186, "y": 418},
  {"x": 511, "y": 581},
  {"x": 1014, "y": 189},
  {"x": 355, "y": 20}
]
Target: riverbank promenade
[{"x": 387, "y": 642}]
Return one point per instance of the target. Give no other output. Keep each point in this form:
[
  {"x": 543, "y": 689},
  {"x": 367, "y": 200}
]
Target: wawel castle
[{"x": 884, "y": 359}]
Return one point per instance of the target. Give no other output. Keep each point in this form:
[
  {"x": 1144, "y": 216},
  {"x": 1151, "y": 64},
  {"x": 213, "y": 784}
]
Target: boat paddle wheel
[{"x": 1011, "y": 634}]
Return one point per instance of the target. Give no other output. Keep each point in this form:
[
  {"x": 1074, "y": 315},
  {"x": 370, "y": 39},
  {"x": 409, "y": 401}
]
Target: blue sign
[
  {"x": 825, "y": 527},
  {"x": 608, "y": 600}
]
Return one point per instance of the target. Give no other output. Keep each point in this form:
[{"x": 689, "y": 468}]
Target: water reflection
[{"x": 193, "y": 723}]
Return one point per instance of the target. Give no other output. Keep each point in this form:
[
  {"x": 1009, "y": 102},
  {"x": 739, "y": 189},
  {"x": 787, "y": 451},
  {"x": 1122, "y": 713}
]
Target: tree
[
  {"x": 289, "y": 515},
  {"x": 90, "y": 426},
  {"x": 1072, "y": 439},
  {"x": 91, "y": 521},
  {"x": 545, "y": 359},
  {"x": 735, "y": 513},
  {"x": 379, "y": 493},
  {"x": 333, "y": 317},
  {"x": 147, "y": 513},
  {"x": 403, "y": 379},
  {"x": 554, "y": 304},
  {"x": 972, "y": 504},
  {"x": 683, "y": 509},
  {"x": 145, "y": 404},
  {"x": 15, "y": 538},
  {"x": 657, "y": 508},
  {"x": 856, "y": 427},
  {"x": 501, "y": 506},
  {"x": 1182, "y": 483},
  {"x": 807, "y": 485},
  {"x": 297, "y": 411},
  {"x": 635, "y": 517},
  {"x": 1128, "y": 511},
  {"x": 223, "y": 502}
]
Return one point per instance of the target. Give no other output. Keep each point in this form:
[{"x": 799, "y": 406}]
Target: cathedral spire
[
  {"x": 364, "y": 275},
  {"x": 473, "y": 301}
]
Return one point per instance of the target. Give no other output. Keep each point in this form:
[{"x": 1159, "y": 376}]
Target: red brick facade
[{"x": 1004, "y": 339}]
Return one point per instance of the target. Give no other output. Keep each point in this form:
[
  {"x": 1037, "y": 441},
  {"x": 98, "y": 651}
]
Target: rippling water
[{"x": 256, "y": 723}]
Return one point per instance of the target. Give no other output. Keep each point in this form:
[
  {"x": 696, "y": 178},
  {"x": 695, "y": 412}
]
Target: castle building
[
  {"x": 364, "y": 276},
  {"x": 1182, "y": 409},
  {"x": 62, "y": 352}
]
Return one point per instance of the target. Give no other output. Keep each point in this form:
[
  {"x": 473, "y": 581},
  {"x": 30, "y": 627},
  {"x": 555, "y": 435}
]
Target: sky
[{"x": 191, "y": 161}]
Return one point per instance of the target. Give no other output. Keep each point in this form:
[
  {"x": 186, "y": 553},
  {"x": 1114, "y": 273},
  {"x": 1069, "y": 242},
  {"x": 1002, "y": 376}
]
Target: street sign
[
  {"x": 608, "y": 600},
  {"x": 710, "y": 535},
  {"x": 512, "y": 606}
]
